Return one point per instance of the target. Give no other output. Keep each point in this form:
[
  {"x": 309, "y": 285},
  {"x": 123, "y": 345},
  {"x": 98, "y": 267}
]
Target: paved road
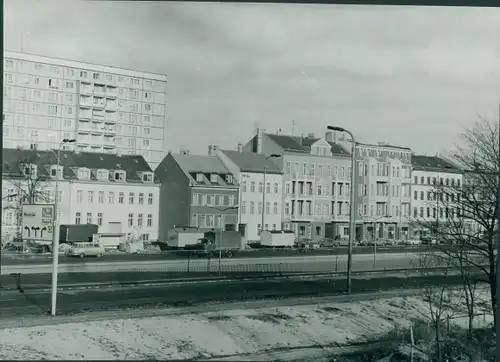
[
  {"x": 36, "y": 302},
  {"x": 10, "y": 258},
  {"x": 326, "y": 263}
]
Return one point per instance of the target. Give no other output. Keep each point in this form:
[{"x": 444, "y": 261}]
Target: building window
[
  {"x": 141, "y": 198},
  {"x": 91, "y": 197},
  {"x": 79, "y": 196},
  {"x": 252, "y": 187},
  {"x": 111, "y": 197},
  {"x": 268, "y": 208},
  {"x": 130, "y": 198},
  {"x": 89, "y": 218},
  {"x": 150, "y": 220},
  {"x": 150, "y": 199},
  {"x": 243, "y": 207},
  {"x": 101, "y": 197},
  {"x": 139, "y": 220},
  {"x": 99, "y": 218},
  {"x": 260, "y": 187},
  {"x": 252, "y": 207},
  {"x": 287, "y": 208},
  {"x": 268, "y": 187},
  {"x": 130, "y": 219},
  {"x": 78, "y": 218},
  {"x": 275, "y": 208},
  {"x": 120, "y": 197},
  {"x": 276, "y": 188},
  {"x": 244, "y": 186}
]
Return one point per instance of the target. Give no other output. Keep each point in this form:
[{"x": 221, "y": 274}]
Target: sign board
[{"x": 38, "y": 221}]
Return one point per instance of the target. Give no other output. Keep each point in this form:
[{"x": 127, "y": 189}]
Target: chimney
[
  {"x": 240, "y": 147},
  {"x": 329, "y": 136},
  {"x": 210, "y": 150},
  {"x": 260, "y": 132},
  {"x": 310, "y": 135}
]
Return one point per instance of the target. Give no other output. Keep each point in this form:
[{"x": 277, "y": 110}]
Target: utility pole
[{"x": 498, "y": 247}]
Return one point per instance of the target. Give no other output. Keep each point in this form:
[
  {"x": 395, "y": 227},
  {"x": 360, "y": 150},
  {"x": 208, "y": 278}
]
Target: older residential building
[
  {"x": 382, "y": 190},
  {"x": 316, "y": 182},
  {"x": 115, "y": 192},
  {"x": 435, "y": 192},
  {"x": 248, "y": 169},
  {"x": 106, "y": 109},
  {"x": 196, "y": 190}
]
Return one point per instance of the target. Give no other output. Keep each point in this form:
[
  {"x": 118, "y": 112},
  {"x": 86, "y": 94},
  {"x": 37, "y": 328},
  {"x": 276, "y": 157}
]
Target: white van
[{"x": 86, "y": 249}]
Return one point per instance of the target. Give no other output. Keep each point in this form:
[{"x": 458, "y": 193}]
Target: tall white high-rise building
[{"x": 106, "y": 109}]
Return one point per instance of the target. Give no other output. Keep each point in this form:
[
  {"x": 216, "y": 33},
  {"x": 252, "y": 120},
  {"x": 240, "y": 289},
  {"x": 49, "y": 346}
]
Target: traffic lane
[
  {"x": 42, "y": 259},
  {"x": 306, "y": 263},
  {"x": 200, "y": 271},
  {"x": 75, "y": 301}
]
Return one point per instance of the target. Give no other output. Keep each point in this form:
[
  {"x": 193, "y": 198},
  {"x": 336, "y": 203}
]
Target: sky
[{"x": 409, "y": 76}]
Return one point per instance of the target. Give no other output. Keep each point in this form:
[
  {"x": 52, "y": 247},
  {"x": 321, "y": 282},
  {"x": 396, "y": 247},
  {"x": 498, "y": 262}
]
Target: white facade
[
  {"x": 251, "y": 207},
  {"x": 426, "y": 205},
  {"x": 134, "y": 206},
  {"x": 106, "y": 109}
]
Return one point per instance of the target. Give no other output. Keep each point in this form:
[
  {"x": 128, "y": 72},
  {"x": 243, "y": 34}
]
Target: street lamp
[
  {"x": 273, "y": 155},
  {"x": 55, "y": 232},
  {"x": 352, "y": 221}
]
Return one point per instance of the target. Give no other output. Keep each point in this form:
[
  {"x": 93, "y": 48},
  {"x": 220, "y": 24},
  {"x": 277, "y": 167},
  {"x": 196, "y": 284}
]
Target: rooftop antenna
[{"x": 293, "y": 127}]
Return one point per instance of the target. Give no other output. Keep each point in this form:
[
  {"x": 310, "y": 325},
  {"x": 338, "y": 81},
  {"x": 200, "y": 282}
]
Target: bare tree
[
  {"x": 438, "y": 298},
  {"x": 465, "y": 213},
  {"x": 27, "y": 186}
]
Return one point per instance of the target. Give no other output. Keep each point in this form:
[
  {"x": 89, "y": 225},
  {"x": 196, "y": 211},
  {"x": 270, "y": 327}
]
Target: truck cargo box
[
  {"x": 277, "y": 238},
  {"x": 74, "y": 233}
]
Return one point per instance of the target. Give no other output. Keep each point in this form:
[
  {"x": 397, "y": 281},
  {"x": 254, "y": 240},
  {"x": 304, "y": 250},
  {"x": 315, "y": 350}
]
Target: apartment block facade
[
  {"x": 115, "y": 192},
  {"x": 256, "y": 175},
  {"x": 436, "y": 190},
  {"x": 106, "y": 109},
  {"x": 197, "y": 191},
  {"x": 382, "y": 190},
  {"x": 316, "y": 182}
]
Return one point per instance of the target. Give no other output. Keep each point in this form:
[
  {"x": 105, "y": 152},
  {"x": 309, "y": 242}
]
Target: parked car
[
  {"x": 428, "y": 241},
  {"x": 413, "y": 242},
  {"x": 86, "y": 249}
]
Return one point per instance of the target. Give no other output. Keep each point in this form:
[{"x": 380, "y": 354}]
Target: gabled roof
[
  {"x": 192, "y": 165},
  {"x": 252, "y": 162},
  {"x": 299, "y": 144},
  {"x": 133, "y": 165},
  {"x": 420, "y": 162}
]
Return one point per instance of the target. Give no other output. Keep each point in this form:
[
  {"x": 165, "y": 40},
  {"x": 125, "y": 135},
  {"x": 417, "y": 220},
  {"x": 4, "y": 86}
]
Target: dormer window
[
  {"x": 102, "y": 175},
  {"x": 199, "y": 177},
  {"x": 84, "y": 173},
  {"x": 213, "y": 177},
  {"x": 53, "y": 171},
  {"x": 229, "y": 179},
  {"x": 119, "y": 176},
  {"x": 147, "y": 177},
  {"x": 29, "y": 171}
]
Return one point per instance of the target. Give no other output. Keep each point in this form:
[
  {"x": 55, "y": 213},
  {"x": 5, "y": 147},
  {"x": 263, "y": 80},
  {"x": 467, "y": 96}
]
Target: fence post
[
  {"x": 337, "y": 264},
  {"x": 189, "y": 260},
  {"x": 208, "y": 263}
]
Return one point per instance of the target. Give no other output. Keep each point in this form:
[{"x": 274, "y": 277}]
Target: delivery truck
[
  {"x": 217, "y": 242},
  {"x": 77, "y": 233},
  {"x": 179, "y": 237},
  {"x": 277, "y": 239}
]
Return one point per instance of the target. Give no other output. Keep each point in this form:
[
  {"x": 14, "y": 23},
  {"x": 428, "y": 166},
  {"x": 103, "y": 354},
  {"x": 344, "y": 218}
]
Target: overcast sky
[{"x": 409, "y": 76}]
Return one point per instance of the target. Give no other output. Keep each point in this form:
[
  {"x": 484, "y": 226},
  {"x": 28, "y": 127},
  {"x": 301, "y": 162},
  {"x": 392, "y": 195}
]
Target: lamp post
[
  {"x": 55, "y": 232},
  {"x": 273, "y": 155},
  {"x": 352, "y": 221}
]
